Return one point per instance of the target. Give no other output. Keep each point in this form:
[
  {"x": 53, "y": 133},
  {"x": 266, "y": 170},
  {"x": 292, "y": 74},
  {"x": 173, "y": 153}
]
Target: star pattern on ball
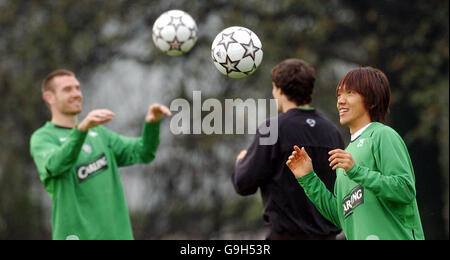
[
  {"x": 250, "y": 49},
  {"x": 192, "y": 34},
  {"x": 242, "y": 57},
  {"x": 174, "y": 33},
  {"x": 157, "y": 33},
  {"x": 176, "y": 22},
  {"x": 175, "y": 44},
  {"x": 230, "y": 65},
  {"x": 212, "y": 56},
  {"x": 245, "y": 30},
  {"x": 226, "y": 40}
]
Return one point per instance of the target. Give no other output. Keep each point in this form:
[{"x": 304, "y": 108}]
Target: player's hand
[
  {"x": 299, "y": 162},
  {"x": 341, "y": 159},
  {"x": 94, "y": 118},
  {"x": 241, "y": 155},
  {"x": 156, "y": 112}
]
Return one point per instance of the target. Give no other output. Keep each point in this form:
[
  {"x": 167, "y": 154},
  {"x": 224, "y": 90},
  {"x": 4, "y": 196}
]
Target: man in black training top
[{"x": 287, "y": 211}]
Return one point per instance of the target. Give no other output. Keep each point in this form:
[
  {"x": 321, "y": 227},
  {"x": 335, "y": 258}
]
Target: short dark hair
[
  {"x": 45, "y": 85},
  {"x": 373, "y": 85},
  {"x": 296, "y": 79}
]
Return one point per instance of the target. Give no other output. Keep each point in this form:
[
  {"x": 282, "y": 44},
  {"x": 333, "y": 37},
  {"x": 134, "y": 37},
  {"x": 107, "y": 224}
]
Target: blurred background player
[
  {"x": 375, "y": 194},
  {"x": 78, "y": 162},
  {"x": 287, "y": 211}
]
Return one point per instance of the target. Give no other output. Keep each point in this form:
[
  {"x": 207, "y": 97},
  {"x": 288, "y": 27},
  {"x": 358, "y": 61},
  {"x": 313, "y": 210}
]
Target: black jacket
[{"x": 286, "y": 207}]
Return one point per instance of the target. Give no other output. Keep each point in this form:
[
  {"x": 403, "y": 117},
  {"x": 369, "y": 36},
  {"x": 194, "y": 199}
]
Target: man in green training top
[
  {"x": 78, "y": 162},
  {"x": 374, "y": 195}
]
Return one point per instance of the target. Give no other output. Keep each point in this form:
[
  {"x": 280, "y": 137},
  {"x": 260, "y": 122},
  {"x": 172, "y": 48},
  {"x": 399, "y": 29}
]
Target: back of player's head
[
  {"x": 295, "y": 77},
  {"x": 45, "y": 85},
  {"x": 373, "y": 85}
]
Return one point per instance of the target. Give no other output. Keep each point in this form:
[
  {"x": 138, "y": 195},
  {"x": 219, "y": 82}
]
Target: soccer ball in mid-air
[
  {"x": 236, "y": 52},
  {"x": 174, "y": 32}
]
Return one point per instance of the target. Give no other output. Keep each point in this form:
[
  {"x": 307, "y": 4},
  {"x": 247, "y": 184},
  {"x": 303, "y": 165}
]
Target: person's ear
[
  {"x": 277, "y": 89},
  {"x": 280, "y": 92},
  {"x": 48, "y": 97}
]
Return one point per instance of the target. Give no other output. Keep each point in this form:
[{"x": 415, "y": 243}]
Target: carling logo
[
  {"x": 84, "y": 171},
  {"x": 354, "y": 199}
]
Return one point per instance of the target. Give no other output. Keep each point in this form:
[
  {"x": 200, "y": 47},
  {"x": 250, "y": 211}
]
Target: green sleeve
[
  {"x": 52, "y": 159},
  {"x": 131, "y": 150},
  {"x": 321, "y": 197},
  {"x": 394, "y": 180}
]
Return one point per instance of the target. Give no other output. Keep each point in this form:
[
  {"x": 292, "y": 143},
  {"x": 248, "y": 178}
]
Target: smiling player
[
  {"x": 374, "y": 195},
  {"x": 78, "y": 162}
]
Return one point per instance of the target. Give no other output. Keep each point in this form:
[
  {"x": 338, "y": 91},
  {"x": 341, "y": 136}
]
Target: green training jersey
[
  {"x": 80, "y": 172},
  {"x": 376, "y": 198}
]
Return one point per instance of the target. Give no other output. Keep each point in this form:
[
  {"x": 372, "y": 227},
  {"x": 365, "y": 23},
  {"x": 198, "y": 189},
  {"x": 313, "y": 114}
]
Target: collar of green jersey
[{"x": 306, "y": 108}]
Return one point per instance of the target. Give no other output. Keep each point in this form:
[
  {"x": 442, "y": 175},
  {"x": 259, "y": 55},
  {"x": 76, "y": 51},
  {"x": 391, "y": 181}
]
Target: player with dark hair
[
  {"x": 78, "y": 162},
  {"x": 287, "y": 211},
  {"x": 374, "y": 195}
]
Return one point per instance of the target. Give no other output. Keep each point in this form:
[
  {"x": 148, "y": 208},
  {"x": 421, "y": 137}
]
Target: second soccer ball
[{"x": 236, "y": 52}]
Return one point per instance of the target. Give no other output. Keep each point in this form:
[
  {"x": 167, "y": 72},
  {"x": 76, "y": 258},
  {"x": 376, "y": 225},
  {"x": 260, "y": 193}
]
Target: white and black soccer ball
[
  {"x": 237, "y": 52},
  {"x": 175, "y": 32}
]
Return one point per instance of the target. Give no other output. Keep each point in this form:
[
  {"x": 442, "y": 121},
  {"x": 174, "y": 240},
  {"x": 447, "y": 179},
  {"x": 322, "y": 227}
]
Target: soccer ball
[
  {"x": 236, "y": 52},
  {"x": 174, "y": 32}
]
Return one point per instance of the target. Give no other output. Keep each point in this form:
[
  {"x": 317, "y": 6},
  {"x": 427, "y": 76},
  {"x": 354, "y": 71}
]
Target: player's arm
[
  {"x": 131, "y": 150},
  {"x": 394, "y": 179},
  {"x": 301, "y": 166},
  {"x": 253, "y": 166},
  {"x": 53, "y": 160}
]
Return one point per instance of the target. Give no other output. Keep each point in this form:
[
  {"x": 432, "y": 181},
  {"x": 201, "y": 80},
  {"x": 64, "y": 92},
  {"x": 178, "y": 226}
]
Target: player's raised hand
[
  {"x": 156, "y": 112},
  {"x": 95, "y": 118},
  {"x": 299, "y": 162},
  {"x": 341, "y": 159}
]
